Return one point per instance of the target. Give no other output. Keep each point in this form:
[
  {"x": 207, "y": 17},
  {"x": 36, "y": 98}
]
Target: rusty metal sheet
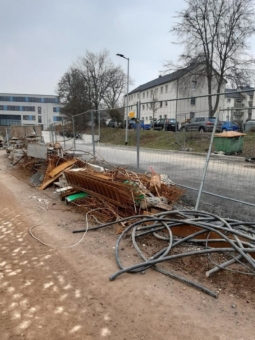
[{"x": 115, "y": 192}]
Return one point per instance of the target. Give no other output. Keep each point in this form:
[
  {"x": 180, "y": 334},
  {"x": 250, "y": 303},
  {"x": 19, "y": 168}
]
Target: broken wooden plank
[{"x": 61, "y": 167}]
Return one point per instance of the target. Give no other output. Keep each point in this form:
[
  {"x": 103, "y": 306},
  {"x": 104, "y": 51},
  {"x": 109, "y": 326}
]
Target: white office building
[{"x": 29, "y": 109}]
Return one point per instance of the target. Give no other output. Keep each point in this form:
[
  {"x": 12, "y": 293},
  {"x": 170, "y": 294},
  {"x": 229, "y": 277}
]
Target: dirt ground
[{"x": 56, "y": 292}]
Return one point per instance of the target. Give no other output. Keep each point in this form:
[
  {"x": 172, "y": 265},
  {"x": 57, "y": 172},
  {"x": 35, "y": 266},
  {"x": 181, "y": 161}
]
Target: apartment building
[
  {"x": 162, "y": 97},
  {"x": 239, "y": 105},
  {"x": 29, "y": 109}
]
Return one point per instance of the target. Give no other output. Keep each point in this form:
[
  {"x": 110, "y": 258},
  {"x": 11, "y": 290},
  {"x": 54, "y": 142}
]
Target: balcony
[
  {"x": 239, "y": 105},
  {"x": 238, "y": 114}
]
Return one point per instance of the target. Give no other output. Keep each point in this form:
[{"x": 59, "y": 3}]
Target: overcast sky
[{"x": 41, "y": 39}]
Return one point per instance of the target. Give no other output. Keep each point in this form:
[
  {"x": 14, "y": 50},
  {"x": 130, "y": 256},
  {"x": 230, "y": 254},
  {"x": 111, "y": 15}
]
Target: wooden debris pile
[{"x": 121, "y": 191}]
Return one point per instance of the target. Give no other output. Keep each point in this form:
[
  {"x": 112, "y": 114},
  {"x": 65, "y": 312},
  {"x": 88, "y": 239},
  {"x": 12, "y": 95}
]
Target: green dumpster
[{"x": 229, "y": 142}]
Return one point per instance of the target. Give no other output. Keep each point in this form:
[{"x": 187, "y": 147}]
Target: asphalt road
[{"x": 227, "y": 176}]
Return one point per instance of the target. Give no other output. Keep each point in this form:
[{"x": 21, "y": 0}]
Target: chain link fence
[
  {"x": 174, "y": 137},
  {"x": 217, "y": 172}
]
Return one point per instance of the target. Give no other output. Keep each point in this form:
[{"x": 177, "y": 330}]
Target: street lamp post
[{"x": 126, "y": 136}]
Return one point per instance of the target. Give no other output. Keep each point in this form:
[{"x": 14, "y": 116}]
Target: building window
[
  {"x": 228, "y": 100},
  {"x": 147, "y": 94},
  {"x": 193, "y": 101},
  {"x": 34, "y": 100},
  {"x": 165, "y": 116},
  {"x": 19, "y": 99},
  {"x": 10, "y": 120},
  {"x": 147, "y": 106},
  {"x": 28, "y": 117},
  {"x": 57, "y": 119},
  {"x": 160, "y": 104},
  {"x": 12, "y": 108},
  {"x": 193, "y": 84},
  {"x": 28, "y": 108},
  {"x": 5, "y": 99},
  {"x": 144, "y": 95},
  {"x": 166, "y": 103},
  {"x": 151, "y": 93},
  {"x": 156, "y": 91},
  {"x": 50, "y": 100},
  {"x": 160, "y": 116},
  {"x": 39, "y": 119},
  {"x": 143, "y": 107},
  {"x": 166, "y": 87},
  {"x": 55, "y": 109},
  {"x": 161, "y": 89},
  {"x": 39, "y": 110}
]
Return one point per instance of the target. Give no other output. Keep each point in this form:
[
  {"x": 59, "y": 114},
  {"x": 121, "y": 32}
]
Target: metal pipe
[{"x": 222, "y": 266}]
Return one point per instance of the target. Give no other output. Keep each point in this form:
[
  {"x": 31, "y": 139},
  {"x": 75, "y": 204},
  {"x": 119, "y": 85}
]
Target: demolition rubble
[{"x": 143, "y": 209}]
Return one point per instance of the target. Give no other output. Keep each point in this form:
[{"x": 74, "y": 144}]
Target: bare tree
[
  {"x": 73, "y": 97},
  {"x": 154, "y": 104},
  {"x": 116, "y": 88},
  {"x": 104, "y": 81},
  {"x": 92, "y": 82},
  {"x": 215, "y": 34}
]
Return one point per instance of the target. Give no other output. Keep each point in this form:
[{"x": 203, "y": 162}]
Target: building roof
[
  {"x": 231, "y": 93},
  {"x": 165, "y": 79},
  {"x": 245, "y": 88},
  {"x": 27, "y": 94}
]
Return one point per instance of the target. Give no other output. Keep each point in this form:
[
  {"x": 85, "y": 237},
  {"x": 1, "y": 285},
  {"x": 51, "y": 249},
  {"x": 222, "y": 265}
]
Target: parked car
[
  {"x": 131, "y": 124},
  {"x": 143, "y": 126},
  {"x": 250, "y": 126},
  {"x": 202, "y": 124},
  {"x": 230, "y": 126},
  {"x": 166, "y": 124},
  {"x": 112, "y": 123}
]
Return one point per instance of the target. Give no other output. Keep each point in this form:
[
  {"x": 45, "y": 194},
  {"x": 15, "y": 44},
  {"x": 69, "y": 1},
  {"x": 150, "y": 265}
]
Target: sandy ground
[{"x": 65, "y": 293}]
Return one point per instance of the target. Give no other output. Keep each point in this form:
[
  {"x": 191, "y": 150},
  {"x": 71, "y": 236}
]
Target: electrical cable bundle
[{"x": 237, "y": 237}]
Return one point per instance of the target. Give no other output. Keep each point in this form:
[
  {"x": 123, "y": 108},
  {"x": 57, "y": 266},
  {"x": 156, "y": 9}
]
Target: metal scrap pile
[{"x": 20, "y": 138}]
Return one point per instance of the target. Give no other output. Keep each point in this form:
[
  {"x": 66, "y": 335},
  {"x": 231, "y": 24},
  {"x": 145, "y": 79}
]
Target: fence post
[
  {"x": 138, "y": 127},
  {"x": 55, "y": 134},
  {"x": 93, "y": 132},
  {"x": 99, "y": 125},
  {"x": 63, "y": 131},
  {"x": 7, "y": 137},
  {"x": 207, "y": 160},
  {"x": 74, "y": 143}
]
